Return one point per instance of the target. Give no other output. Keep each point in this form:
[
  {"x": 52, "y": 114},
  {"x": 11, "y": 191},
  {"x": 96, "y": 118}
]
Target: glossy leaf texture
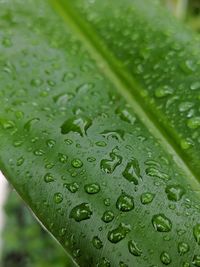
[{"x": 99, "y": 128}]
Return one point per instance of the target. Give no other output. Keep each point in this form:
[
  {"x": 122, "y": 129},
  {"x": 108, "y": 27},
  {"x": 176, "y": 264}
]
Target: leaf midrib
[{"x": 111, "y": 69}]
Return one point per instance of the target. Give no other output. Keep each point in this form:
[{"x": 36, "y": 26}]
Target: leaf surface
[{"x": 100, "y": 125}]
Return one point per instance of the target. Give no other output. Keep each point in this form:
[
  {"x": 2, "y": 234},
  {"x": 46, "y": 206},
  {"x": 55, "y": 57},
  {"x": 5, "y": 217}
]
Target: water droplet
[
  {"x": 78, "y": 125},
  {"x": 97, "y": 243},
  {"x": 196, "y": 233},
  {"x": 92, "y": 188},
  {"x": 118, "y": 233},
  {"x": 101, "y": 143},
  {"x": 132, "y": 171},
  {"x": 107, "y": 201},
  {"x": 77, "y": 163},
  {"x": 6, "y": 42},
  {"x": 50, "y": 143},
  {"x": 174, "y": 192},
  {"x": 58, "y": 198},
  {"x": 134, "y": 249},
  {"x": 30, "y": 123},
  {"x": 147, "y": 198},
  {"x": 161, "y": 223},
  {"x": 122, "y": 264},
  {"x": 193, "y": 123},
  {"x": 188, "y": 66},
  {"x": 81, "y": 212},
  {"x": 184, "y": 106},
  {"x": 103, "y": 262},
  {"x": 164, "y": 91},
  {"x": 125, "y": 202},
  {"x": 125, "y": 115},
  {"x": 62, "y": 99},
  {"x": 83, "y": 88},
  {"x": 108, "y": 216},
  {"x": 48, "y": 178},
  {"x": 153, "y": 172},
  {"x": 39, "y": 152},
  {"x": 196, "y": 260},
  {"x": 109, "y": 165},
  {"x": 183, "y": 248},
  {"x": 72, "y": 187},
  {"x": 68, "y": 76},
  {"x": 68, "y": 141},
  {"x": 36, "y": 82},
  {"x": 117, "y": 134},
  {"x": 20, "y": 161},
  {"x": 186, "y": 264},
  {"x": 62, "y": 158},
  {"x": 195, "y": 86},
  {"x": 165, "y": 258}
]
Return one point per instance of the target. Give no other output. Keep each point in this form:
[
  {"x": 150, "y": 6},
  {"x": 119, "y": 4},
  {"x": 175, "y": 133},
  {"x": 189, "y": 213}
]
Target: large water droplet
[
  {"x": 165, "y": 258},
  {"x": 58, "y": 198},
  {"x": 174, "y": 192},
  {"x": 108, "y": 216},
  {"x": 81, "y": 212},
  {"x": 132, "y": 171},
  {"x": 78, "y": 125},
  {"x": 77, "y": 163},
  {"x": 196, "y": 232},
  {"x": 134, "y": 249},
  {"x": 161, "y": 223},
  {"x": 109, "y": 165},
  {"x": 183, "y": 248},
  {"x": 93, "y": 188},
  {"x": 125, "y": 202},
  {"x": 97, "y": 243},
  {"x": 147, "y": 198},
  {"x": 119, "y": 233}
]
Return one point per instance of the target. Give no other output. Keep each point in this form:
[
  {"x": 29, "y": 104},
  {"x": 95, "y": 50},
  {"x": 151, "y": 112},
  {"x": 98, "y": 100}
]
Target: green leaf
[{"x": 100, "y": 127}]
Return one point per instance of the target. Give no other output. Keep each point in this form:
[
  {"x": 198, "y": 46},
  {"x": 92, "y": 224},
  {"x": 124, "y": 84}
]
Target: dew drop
[
  {"x": 20, "y": 161},
  {"x": 195, "y": 86},
  {"x": 97, "y": 243},
  {"x": 77, "y": 163},
  {"x": 132, "y": 171},
  {"x": 174, "y": 192},
  {"x": 193, "y": 123},
  {"x": 153, "y": 172},
  {"x": 118, "y": 233},
  {"x": 93, "y": 188},
  {"x": 58, "y": 198},
  {"x": 164, "y": 91},
  {"x": 108, "y": 216},
  {"x": 39, "y": 152},
  {"x": 62, "y": 158},
  {"x": 29, "y": 124},
  {"x": 48, "y": 178},
  {"x": 109, "y": 165},
  {"x": 103, "y": 262},
  {"x": 50, "y": 143},
  {"x": 165, "y": 258},
  {"x": 196, "y": 260},
  {"x": 78, "y": 125},
  {"x": 183, "y": 248},
  {"x": 72, "y": 187},
  {"x": 36, "y": 82},
  {"x": 161, "y": 223},
  {"x": 147, "y": 198},
  {"x": 81, "y": 212},
  {"x": 125, "y": 202},
  {"x": 134, "y": 249}
]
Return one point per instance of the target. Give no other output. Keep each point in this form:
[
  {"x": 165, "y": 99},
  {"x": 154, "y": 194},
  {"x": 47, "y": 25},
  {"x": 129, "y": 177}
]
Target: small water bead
[
  {"x": 68, "y": 141},
  {"x": 81, "y": 212},
  {"x": 125, "y": 115},
  {"x": 6, "y": 42},
  {"x": 125, "y": 202},
  {"x": 122, "y": 264},
  {"x": 92, "y": 188},
  {"x": 195, "y": 85},
  {"x": 165, "y": 258},
  {"x": 132, "y": 171},
  {"x": 174, "y": 192},
  {"x": 134, "y": 249},
  {"x": 101, "y": 143},
  {"x": 48, "y": 178},
  {"x": 36, "y": 82},
  {"x": 196, "y": 260},
  {"x": 164, "y": 91},
  {"x": 62, "y": 158},
  {"x": 119, "y": 233},
  {"x": 103, "y": 262},
  {"x": 39, "y": 152},
  {"x": 72, "y": 187},
  {"x": 161, "y": 223},
  {"x": 20, "y": 161},
  {"x": 183, "y": 248},
  {"x": 7, "y": 124},
  {"x": 58, "y": 198},
  {"x": 196, "y": 233},
  {"x": 184, "y": 106},
  {"x": 188, "y": 66},
  {"x": 78, "y": 125},
  {"x": 97, "y": 243},
  {"x": 108, "y": 216},
  {"x": 91, "y": 159},
  {"x": 77, "y": 163},
  {"x": 49, "y": 165},
  {"x": 106, "y": 201},
  {"x": 186, "y": 143},
  {"x": 153, "y": 172},
  {"x": 62, "y": 99},
  {"x": 185, "y": 264},
  {"x": 147, "y": 198},
  {"x": 193, "y": 123},
  {"x": 117, "y": 134},
  {"x": 50, "y": 143},
  {"x": 68, "y": 76},
  {"x": 109, "y": 165},
  {"x": 18, "y": 143},
  {"x": 83, "y": 88}
]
